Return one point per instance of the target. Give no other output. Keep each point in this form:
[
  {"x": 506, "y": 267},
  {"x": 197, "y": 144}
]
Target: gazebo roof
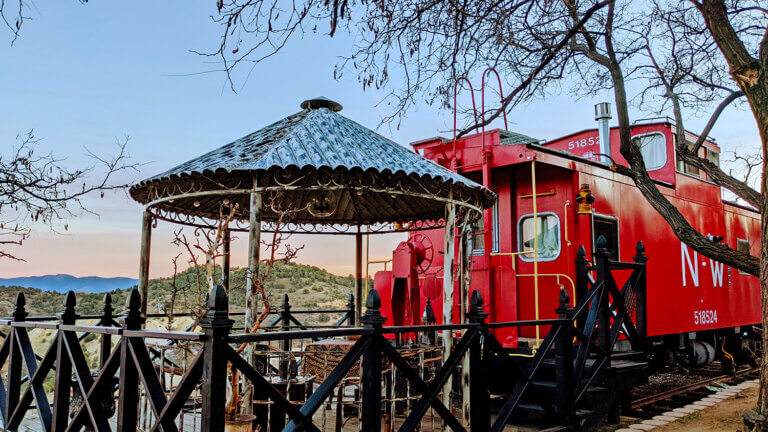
[{"x": 315, "y": 152}]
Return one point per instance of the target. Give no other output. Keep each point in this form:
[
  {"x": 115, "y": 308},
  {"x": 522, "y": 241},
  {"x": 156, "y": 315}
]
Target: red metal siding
[{"x": 685, "y": 290}]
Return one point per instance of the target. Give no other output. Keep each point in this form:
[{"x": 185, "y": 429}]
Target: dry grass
[{"x": 724, "y": 416}]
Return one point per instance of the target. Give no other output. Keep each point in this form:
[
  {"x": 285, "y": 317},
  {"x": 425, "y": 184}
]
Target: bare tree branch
[{"x": 39, "y": 188}]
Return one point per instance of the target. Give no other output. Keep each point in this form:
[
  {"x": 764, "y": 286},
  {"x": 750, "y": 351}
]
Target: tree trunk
[
  {"x": 757, "y": 96},
  {"x": 762, "y": 401}
]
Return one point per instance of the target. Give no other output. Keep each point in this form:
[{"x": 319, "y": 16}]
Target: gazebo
[{"x": 337, "y": 176}]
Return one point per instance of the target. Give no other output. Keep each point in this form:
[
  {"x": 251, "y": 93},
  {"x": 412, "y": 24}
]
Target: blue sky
[{"x": 88, "y": 75}]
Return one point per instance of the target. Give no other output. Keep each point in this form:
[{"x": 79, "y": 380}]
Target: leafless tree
[
  {"x": 39, "y": 188},
  {"x": 170, "y": 308},
  {"x": 194, "y": 293},
  {"x": 14, "y": 13}
]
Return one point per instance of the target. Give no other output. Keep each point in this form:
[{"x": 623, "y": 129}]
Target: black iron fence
[{"x": 192, "y": 390}]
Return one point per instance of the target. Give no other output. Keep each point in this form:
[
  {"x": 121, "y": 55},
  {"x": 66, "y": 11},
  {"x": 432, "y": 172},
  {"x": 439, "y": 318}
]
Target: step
[
  {"x": 616, "y": 364},
  {"x": 537, "y": 408},
  {"x": 552, "y": 386},
  {"x": 628, "y": 355},
  {"x": 624, "y": 365}
]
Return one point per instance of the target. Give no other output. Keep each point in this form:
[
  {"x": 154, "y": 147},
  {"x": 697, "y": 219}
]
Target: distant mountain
[{"x": 62, "y": 283}]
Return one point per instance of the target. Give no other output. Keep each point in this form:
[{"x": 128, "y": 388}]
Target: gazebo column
[
  {"x": 359, "y": 275},
  {"x": 225, "y": 261},
  {"x": 464, "y": 252},
  {"x": 251, "y": 302},
  {"x": 450, "y": 234},
  {"x": 254, "y": 243},
  {"x": 146, "y": 240}
]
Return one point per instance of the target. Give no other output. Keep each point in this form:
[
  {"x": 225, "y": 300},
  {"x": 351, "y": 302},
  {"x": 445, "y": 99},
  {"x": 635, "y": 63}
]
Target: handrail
[
  {"x": 454, "y": 162},
  {"x": 535, "y": 249},
  {"x": 163, "y": 334},
  {"x": 565, "y": 222},
  {"x": 621, "y": 265},
  {"x": 527, "y": 323},
  {"x": 296, "y": 334},
  {"x": 90, "y": 329},
  {"x": 557, "y": 276},
  {"x": 512, "y": 254}
]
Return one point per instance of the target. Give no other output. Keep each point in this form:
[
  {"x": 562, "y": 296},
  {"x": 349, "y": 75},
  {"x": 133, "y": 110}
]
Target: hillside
[
  {"x": 306, "y": 286},
  {"x": 63, "y": 283}
]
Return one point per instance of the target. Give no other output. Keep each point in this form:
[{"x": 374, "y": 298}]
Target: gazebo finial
[{"x": 321, "y": 102}]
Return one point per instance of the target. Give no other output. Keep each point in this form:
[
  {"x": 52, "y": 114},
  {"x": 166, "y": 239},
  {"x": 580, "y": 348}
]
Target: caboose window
[
  {"x": 653, "y": 147},
  {"x": 547, "y": 232},
  {"x": 713, "y": 156},
  {"x": 608, "y": 227},
  {"x": 477, "y": 240},
  {"x": 742, "y": 245},
  {"x": 685, "y": 168}
]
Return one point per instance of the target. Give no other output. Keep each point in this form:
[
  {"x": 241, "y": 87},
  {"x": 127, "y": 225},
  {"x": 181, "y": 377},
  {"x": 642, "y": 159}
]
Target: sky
[{"x": 86, "y": 76}]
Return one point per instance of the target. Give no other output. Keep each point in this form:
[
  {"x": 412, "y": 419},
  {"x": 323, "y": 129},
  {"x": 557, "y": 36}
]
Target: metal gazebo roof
[{"x": 334, "y": 170}]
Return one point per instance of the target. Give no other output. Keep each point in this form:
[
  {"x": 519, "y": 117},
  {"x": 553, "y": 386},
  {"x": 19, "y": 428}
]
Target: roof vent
[{"x": 321, "y": 102}]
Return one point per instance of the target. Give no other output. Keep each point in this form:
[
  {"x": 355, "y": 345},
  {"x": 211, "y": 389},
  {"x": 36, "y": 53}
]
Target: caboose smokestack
[{"x": 603, "y": 117}]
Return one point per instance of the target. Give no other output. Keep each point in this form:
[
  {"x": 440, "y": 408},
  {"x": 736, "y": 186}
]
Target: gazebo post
[
  {"x": 464, "y": 252},
  {"x": 225, "y": 260},
  {"x": 251, "y": 303},
  {"x": 450, "y": 234},
  {"x": 358, "y": 275},
  {"x": 146, "y": 240}
]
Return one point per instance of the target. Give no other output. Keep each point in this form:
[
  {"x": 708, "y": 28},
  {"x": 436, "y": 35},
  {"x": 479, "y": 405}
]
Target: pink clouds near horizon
[{"x": 93, "y": 247}]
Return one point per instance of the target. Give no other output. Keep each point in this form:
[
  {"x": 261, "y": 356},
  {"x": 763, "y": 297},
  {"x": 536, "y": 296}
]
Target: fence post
[
  {"x": 640, "y": 311},
  {"x": 351, "y": 310},
  {"x": 106, "y": 321},
  {"x": 285, "y": 344},
  {"x": 479, "y": 397},
  {"x": 371, "y": 364},
  {"x": 63, "y": 380},
  {"x": 604, "y": 313},
  {"x": 216, "y": 326},
  {"x": 128, "y": 408},
  {"x": 564, "y": 361},
  {"x": 428, "y": 318},
  {"x": 14, "y": 359},
  {"x": 582, "y": 279}
]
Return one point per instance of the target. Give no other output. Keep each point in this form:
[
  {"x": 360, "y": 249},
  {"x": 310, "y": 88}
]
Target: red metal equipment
[{"x": 692, "y": 303}]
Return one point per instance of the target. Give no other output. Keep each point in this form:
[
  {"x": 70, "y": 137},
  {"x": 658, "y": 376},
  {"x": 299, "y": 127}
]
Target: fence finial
[
  {"x": 564, "y": 309},
  {"x": 19, "y": 312},
  {"x": 601, "y": 243},
  {"x": 218, "y": 307},
  {"x": 372, "y": 314},
  {"x": 70, "y": 304},
  {"x": 286, "y": 303},
  {"x": 640, "y": 256},
  {"x": 428, "y": 317},
  {"x": 132, "y": 318},
  {"x": 476, "y": 311},
  {"x": 107, "y": 309},
  {"x": 581, "y": 253},
  {"x": 373, "y": 301},
  {"x": 133, "y": 302},
  {"x": 351, "y": 310}
]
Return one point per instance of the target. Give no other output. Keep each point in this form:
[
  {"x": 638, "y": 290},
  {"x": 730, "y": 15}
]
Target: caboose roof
[{"x": 511, "y": 138}]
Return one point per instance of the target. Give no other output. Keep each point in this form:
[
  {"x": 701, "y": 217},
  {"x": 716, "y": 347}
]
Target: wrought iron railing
[{"x": 195, "y": 383}]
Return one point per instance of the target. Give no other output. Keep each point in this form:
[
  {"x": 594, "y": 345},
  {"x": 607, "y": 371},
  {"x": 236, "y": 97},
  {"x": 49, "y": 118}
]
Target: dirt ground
[{"x": 724, "y": 416}]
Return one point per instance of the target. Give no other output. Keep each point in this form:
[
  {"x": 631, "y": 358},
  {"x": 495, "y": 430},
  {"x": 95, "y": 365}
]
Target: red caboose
[{"x": 556, "y": 196}]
